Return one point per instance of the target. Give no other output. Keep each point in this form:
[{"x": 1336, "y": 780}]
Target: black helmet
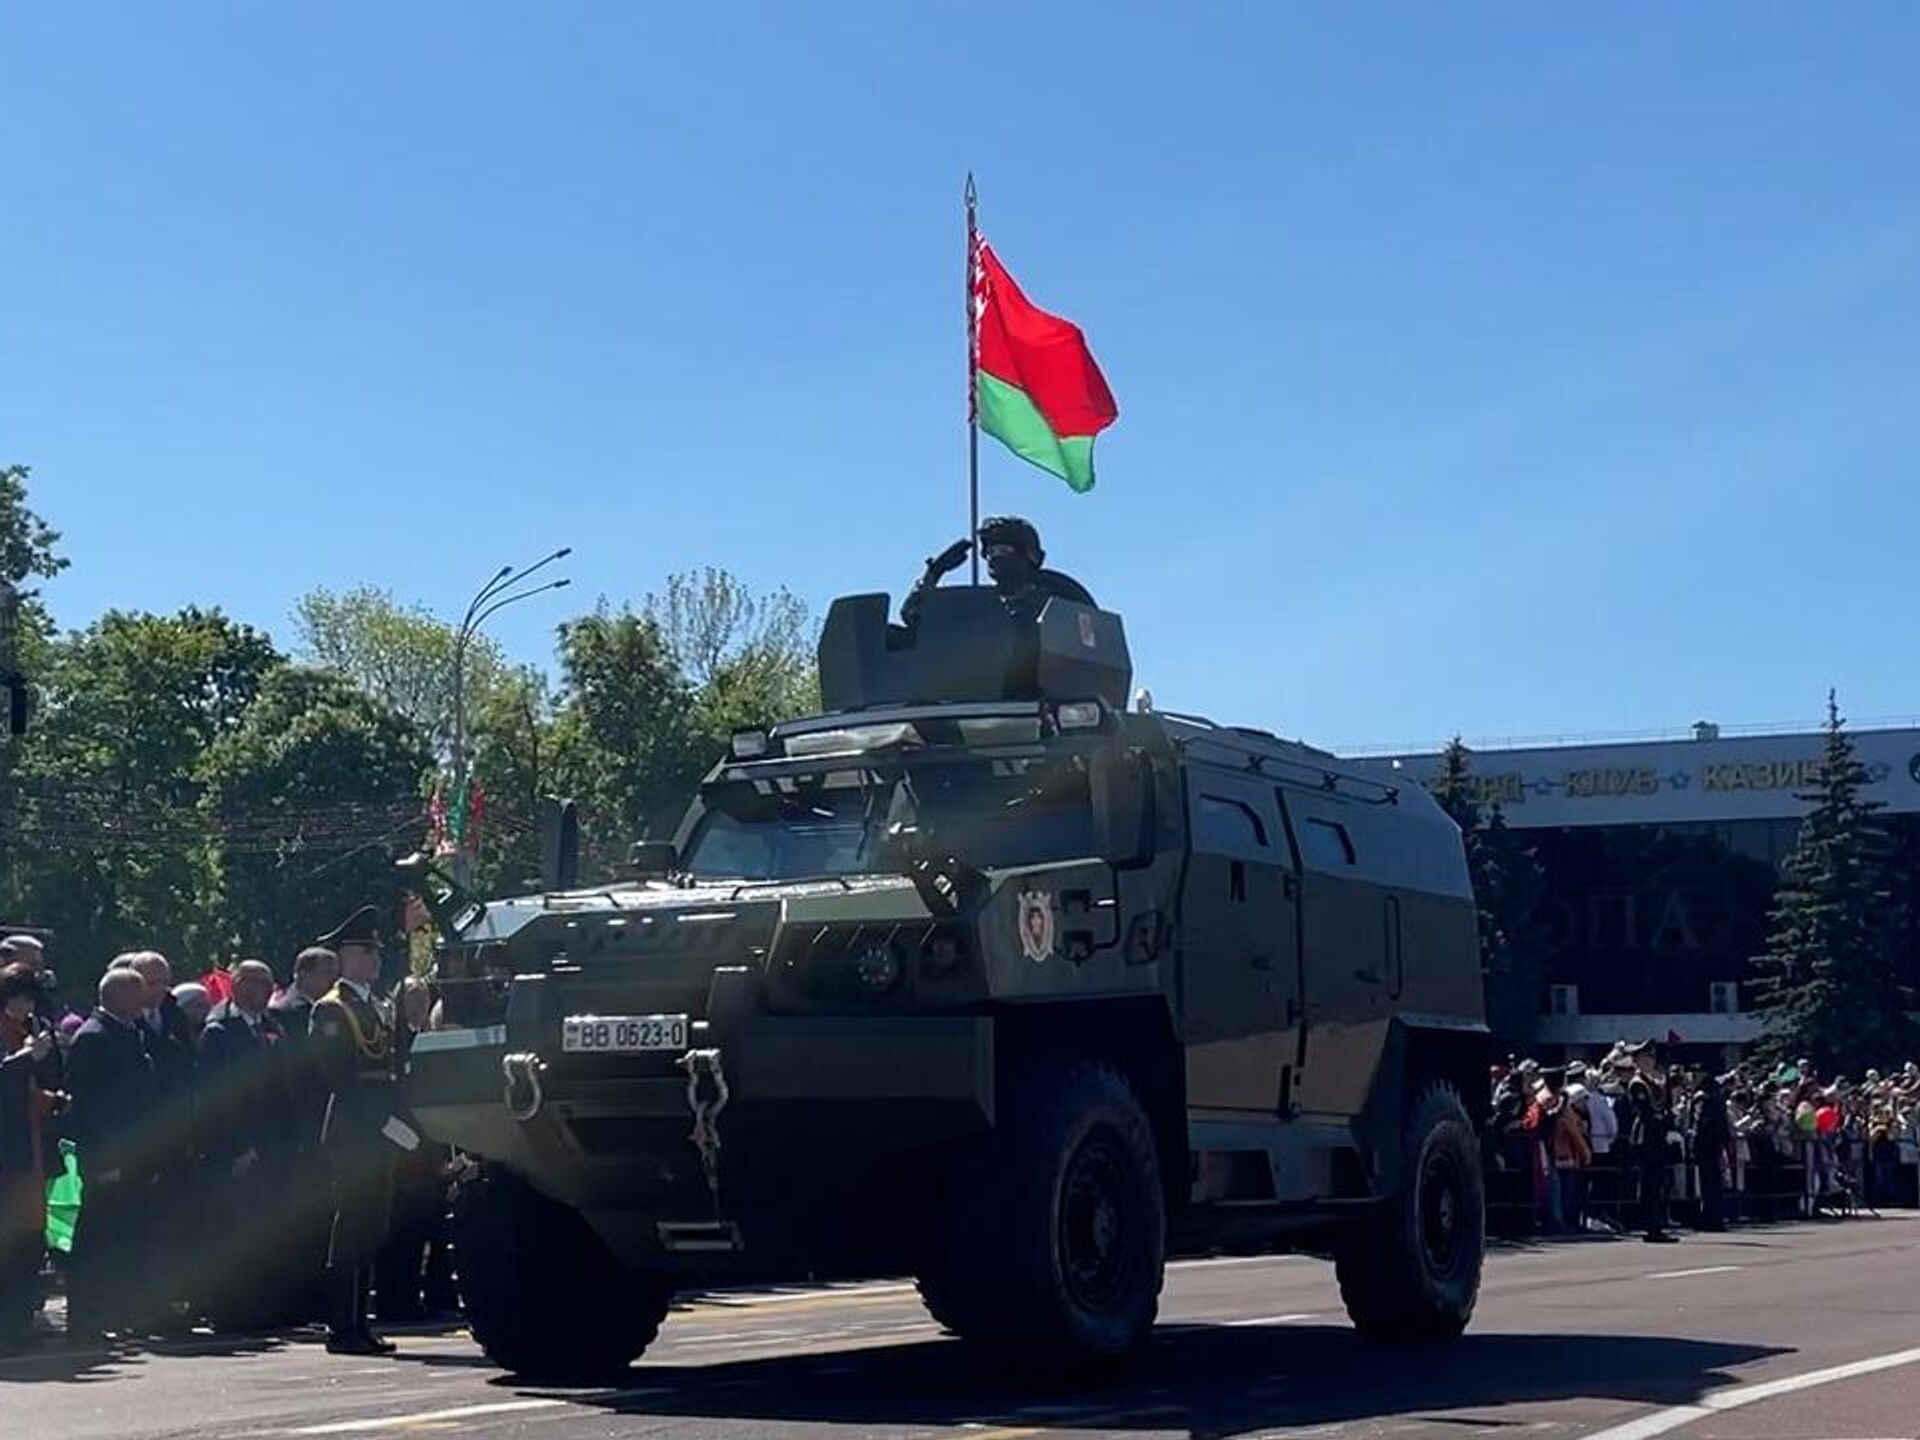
[{"x": 1011, "y": 530}]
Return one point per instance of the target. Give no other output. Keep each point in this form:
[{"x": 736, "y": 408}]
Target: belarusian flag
[{"x": 1036, "y": 384}]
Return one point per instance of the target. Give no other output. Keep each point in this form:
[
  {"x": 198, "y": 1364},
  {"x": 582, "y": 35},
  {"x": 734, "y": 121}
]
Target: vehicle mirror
[
  {"x": 652, "y": 859},
  {"x": 1121, "y": 782}
]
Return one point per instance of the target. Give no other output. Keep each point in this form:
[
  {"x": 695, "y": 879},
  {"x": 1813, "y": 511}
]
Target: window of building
[
  {"x": 1751, "y": 838},
  {"x": 1783, "y": 835}
]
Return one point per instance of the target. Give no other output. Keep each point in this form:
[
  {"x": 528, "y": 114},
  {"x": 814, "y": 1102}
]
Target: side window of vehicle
[
  {"x": 1325, "y": 844},
  {"x": 1227, "y": 827}
]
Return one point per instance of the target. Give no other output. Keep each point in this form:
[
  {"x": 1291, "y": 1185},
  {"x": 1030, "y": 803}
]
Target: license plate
[{"x": 622, "y": 1034}]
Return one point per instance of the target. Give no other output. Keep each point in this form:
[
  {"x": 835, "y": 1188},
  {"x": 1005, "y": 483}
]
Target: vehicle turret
[{"x": 966, "y": 647}]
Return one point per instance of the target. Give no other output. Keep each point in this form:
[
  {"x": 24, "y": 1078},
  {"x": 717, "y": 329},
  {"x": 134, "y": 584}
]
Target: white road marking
[
  {"x": 1689, "y": 1274},
  {"x": 1270, "y": 1320},
  {"x": 466, "y": 1412},
  {"x": 400, "y": 1422},
  {"x": 1661, "y": 1421}
]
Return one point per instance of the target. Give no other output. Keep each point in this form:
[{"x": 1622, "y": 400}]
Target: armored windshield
[{"x": 846, "y": 820}]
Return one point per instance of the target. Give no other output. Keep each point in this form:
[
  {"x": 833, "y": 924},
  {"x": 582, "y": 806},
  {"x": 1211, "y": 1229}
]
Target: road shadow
[
  {"x": 58, "y": 1361},
  {"x": 1210, "y": 1380}
]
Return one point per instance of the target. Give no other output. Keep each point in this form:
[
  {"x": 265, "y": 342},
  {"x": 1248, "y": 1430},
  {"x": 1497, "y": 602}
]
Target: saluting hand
[{"x": 951, "y": 558}]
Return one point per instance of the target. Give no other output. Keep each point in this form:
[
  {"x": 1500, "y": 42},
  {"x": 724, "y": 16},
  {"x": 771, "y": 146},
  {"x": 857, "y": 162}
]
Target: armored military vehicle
[{"x": 977, "y": 977}]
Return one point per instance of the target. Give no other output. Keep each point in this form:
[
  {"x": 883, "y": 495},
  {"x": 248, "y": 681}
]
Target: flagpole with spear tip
[{"x": 973, "y": 387}]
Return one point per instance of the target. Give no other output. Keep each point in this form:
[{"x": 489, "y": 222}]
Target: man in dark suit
[
  {"x": 306, "y": 1199},
  {"x": 242, "y": 1110},
  {"x": 110, "y": 1118},
  {"x": 354, "y": 1044},
  {"x": 173, "y": 1043}
]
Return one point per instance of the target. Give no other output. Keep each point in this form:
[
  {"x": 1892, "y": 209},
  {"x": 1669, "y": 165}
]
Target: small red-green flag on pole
[{"x": 1036, "y": 386}]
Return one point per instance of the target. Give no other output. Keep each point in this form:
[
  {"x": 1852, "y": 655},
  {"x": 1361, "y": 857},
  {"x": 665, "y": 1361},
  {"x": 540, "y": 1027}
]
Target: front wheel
[
  {"x": 543, "y": 1296},
  {"x": 1055, "y": 1241},
  {"x": 1412, "y": 1273}
]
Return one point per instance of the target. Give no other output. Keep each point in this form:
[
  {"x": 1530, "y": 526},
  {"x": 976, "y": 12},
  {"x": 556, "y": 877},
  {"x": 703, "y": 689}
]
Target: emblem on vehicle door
[{"x": 1036, "y": 925}]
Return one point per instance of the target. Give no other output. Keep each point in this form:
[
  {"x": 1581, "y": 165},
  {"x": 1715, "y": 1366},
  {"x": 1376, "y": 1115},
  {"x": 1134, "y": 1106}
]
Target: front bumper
[{"x": 817, "y": 1104}]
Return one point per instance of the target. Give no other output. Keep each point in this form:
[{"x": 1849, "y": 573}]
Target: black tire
[
  {"x": 1411, "y": 1274},
  {"x": 1054, "y": 1241},
  {"x": 543, "y": 1296}
]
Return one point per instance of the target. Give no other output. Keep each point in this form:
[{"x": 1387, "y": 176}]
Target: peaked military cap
[{"x": 360, "y": 928}]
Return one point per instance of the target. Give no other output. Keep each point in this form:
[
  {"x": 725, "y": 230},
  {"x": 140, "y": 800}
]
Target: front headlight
[{"x": 877, "y": 964}]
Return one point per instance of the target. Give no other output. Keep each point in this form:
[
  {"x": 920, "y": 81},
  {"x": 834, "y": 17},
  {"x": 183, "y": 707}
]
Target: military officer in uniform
[
  {"x": 353, "y": 1048},
  {"x": 1016, "y": 563}
]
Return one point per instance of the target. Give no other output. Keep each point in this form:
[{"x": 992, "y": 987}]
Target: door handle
[
  {"x": 1261, "y": 962},
  {"x": 1371, "y": 977}
]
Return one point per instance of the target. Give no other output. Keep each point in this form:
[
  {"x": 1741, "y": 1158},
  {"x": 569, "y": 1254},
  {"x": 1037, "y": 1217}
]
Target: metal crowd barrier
[{"x": 1765, "y": 1187}]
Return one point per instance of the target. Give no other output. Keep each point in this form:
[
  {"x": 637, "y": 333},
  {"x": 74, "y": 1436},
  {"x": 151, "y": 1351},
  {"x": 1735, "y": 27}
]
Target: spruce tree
[{"x": 1828, "y": 984}]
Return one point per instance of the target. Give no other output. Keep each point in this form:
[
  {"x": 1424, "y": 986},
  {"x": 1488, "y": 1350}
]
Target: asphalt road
[{"x": 1793, "y": 1333}]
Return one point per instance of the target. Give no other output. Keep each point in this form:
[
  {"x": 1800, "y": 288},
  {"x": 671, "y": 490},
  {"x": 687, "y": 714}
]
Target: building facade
[{"x": 1659, "y": 860}]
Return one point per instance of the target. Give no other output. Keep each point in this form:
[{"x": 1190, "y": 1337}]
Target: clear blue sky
[{"x": 1512, "y": 369}]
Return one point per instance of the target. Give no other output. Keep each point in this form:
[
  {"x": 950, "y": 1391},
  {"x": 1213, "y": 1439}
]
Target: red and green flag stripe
[{"x": 1037, "y": 388}]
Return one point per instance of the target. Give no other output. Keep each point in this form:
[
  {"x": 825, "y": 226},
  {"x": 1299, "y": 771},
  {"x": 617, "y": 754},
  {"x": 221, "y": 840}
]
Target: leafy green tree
[
  {"x": 1507, "y": 887},
  {"x": 511, "y": 743},
  {"x": 27, "y": 553},
  {"x": 625, "y": 742},
  {"x": 114, "y": 852},
  {"x": 27, "y": 543},
  {"x": 313, "y": 796},
  {"x": 401, "y": 655},
  {"x": 747, "y": 659},
  {"x": 1829, "y": 983}
]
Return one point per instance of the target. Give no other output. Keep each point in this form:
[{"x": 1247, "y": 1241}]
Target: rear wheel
[
  {"x": 1055, "y": 1240},
  {"x": 1412, "y": 1273},
  {"x": 543, "y": 1296}
]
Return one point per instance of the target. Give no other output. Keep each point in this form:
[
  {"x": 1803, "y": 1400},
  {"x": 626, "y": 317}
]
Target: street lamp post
[{"x": 494, "y": 596}]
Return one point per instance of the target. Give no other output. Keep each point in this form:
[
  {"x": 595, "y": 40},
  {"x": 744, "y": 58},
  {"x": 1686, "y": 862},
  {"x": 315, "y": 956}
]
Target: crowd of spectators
[
  {"x": 1627, "y": 1142},
  {"x": 193, "y": 1114}
]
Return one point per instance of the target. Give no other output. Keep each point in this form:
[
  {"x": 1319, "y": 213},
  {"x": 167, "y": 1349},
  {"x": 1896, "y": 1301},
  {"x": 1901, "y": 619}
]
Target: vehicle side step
[{"x": 680, "y": 1237}]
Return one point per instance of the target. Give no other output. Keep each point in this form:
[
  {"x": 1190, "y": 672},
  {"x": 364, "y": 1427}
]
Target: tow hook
[
  {"x": 523, "y": 1096},
  {"x": 706, "y": 1113}
]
